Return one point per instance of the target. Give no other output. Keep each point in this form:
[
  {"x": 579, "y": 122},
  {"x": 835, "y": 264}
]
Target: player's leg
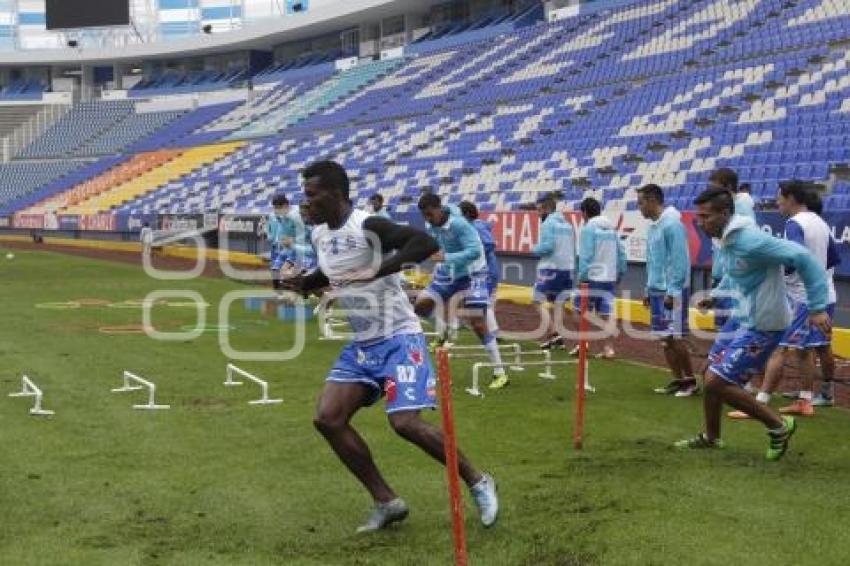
[
  {"x": 476, "y": 301},
  {"x": 410, "y": 387},
  {"x": 337, "y": 404},
  {"x": 724, "y": 384},
  {"x": 827, "y": 368},
  {"x": 804, "y": 358}
]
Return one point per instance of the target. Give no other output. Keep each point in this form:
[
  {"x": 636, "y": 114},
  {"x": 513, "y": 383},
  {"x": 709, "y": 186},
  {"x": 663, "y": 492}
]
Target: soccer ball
[{"x": 10, "y": 255}]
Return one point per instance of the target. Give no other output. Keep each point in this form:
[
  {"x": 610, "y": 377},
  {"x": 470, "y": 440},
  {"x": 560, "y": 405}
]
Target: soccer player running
[
  {"x": 557, "y": 251},
  {"x": 601, "y": 264},
  {"x": 485, "y": 234},
  {"x": 461, "y": 272},
  {"x": 668, "y": 269},
  {"x": 754, "y": 269},
  {"x": 801, "y": 340},
  {"x": 389, "y": 356}
]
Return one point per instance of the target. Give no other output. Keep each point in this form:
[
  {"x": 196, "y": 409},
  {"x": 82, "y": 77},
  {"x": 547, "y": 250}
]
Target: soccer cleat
[
  {"x": 698, "y": 442},
  {"x": 574, "y": 351},
  {"x": 606, "y": 354},
  {"x": 688, "y": 389},
  {"x": 486, "y": 499},
  {"x": 551, "y": 343},
  {"x": 670, "y": 388},
  {"x": 738, "y": 415},
  {"x": 822, "y": 400},
  {"x": 799, "y": 407},
  {"x": 779, "y": 439},
  {"x": 384, "y": 514},
  {"x": 499, "y": 381}
]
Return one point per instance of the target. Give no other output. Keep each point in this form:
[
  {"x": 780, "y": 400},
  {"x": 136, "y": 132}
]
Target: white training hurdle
[
  {"x": 514, "y": 348},
  {"x": 328, "y": 323},
  {"x": 30, "y": 389},
  {"x": 546, "y": 374},
  {"x": 264, "y": 385},
  {"x": 145, "y": 384}
]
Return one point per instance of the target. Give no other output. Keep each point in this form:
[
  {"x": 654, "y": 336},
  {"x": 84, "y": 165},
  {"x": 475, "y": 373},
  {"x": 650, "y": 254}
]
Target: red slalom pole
[
  {"x": 578, "y": 428},
  {"x": 444, "y": 375}
]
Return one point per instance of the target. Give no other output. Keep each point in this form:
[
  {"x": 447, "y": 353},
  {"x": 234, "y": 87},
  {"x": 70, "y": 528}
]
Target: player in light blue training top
[
  {"x": 601, "y": 264},
  {"x": 668, "y": 271},
  {"x": 460, "y": 274},
  {"x": 485, "y": 233},
  {"x": 754, "y": 264},
  {"x": 556, "y": 249}
]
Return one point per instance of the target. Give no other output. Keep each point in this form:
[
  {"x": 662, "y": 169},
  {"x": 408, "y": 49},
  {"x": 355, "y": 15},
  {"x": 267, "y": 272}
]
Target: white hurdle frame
[
  {"x": 145, "y": 384},
  {"x": 327, "y": 322},
  {"x": 515, "y": 347},
  {"x": 30, "y": 389},
  {"x": 264, "y": 385},
  {"x": 547, "y": 374}
]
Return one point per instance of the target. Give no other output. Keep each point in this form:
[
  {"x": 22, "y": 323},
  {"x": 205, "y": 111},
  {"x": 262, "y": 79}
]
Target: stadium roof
[{"x": 256, "y": 35}]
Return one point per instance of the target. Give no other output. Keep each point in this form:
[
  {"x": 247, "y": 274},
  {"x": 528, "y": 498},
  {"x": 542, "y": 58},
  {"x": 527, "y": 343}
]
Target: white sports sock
[
  {"x": 492, "y": 348},
  {"x": 492, "y": 323},
  {"x": 763, "y": 397},
  {"x": 806, "y": 395}
]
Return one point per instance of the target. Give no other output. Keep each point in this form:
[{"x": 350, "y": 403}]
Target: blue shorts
[
  {"x": 745, "y": 354},
  {"x": 551, "y": 285},
  {"x": 600, "y": 298},
  {"x": 800, "y": 335},
  {"x": 304, "y": 262},
  {"x": 475, "y": 287},
  {"x": 398, "y": 367},
  {"x": 666, "y": 322},
  {"x": 730, "y": 330},
  {"x": 723, "y": 307}
]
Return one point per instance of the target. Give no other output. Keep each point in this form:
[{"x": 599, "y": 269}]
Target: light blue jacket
[
  {"x": 280, "y": 227},
  {"x": 464, "y": 253},
  {"x": 557, "y": 245},
  {"x": 601, "y": 255},
  {"x": 754, "y": 263},
  {"x": 668, "y": 260},
  {"x": 744, "y": 206}
]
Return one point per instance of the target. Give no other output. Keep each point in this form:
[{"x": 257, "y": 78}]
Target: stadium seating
[
  {"x": 600, "y": 103},
  {"x": 173, "y": 82},
  {"x": 98, "y": 128},
  {"x": 20, "y": 179},
  {"x": 22, "y": 197},
  {"x": 124, "y": 172},
  {"x": 184, "y": 163}
]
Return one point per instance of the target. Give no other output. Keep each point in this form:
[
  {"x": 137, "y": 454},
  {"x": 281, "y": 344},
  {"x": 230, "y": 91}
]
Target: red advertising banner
[
  {"x": 101, "y": 222},
  {"x": 28, "y": 221},
  {"x": 518, "y": 232}
]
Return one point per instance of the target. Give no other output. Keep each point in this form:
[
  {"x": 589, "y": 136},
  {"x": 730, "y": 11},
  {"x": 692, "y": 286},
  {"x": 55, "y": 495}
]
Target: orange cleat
[{"x": 800, "y": 407}]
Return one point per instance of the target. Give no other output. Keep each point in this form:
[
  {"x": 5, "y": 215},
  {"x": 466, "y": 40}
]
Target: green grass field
[{"x": 216, "y": 481}]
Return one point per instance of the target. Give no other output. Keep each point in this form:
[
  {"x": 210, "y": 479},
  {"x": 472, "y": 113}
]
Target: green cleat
[
  {"x": 698, "y": 442},
  {"x": 779, "y": 439}
]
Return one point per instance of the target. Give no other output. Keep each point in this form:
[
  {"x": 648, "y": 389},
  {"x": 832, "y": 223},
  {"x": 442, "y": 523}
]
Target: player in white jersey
[
  {"x": 801, "y": 340},
  {"x": 389, "y": 356}
]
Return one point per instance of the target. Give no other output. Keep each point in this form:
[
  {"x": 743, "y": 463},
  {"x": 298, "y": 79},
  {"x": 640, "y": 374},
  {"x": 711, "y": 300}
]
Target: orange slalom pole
[
  {"x": 578, "y": 427},
  {"x": 444, "y": 376}
]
